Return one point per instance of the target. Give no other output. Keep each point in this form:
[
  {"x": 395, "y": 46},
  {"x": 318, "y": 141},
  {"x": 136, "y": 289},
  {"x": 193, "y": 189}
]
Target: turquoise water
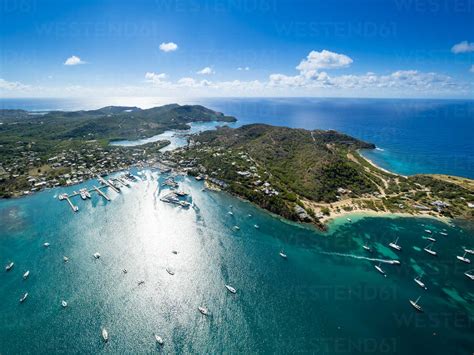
[{"x": 326, "y": 297}]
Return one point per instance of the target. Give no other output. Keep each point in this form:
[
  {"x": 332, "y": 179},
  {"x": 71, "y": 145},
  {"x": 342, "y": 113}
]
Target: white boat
[
  {"x": 105, "y": 335},
  {"x": 428, "y": 231},
  {"x": 431, "y": 239},
  {"x": 444, "y": 233},
  {"x": 236, "y": 228},
  {"x": 256, "y": 226},
  {"x": 46, "y": 245},
  {"x": 470, "y": 274},
  {"x": 419, "y": 282},
  {"x": 429, "y": 251},
  {"x": 231, "y": 289},
  {"x": 394, "y": 262},
  {"x": 366, "y": 247},
  {"x": 379, "y": 269},
  {"x": 124, "y": 271},
  {"x": 283, "y": 255},
  {"x": 64, "y": 303},
  {"x": 394, "y": 245},
  {"x": 470, "y": 251},
  {"x": 24, "y": 297},
  {"x": 203, "y": 310},
  {"x": 169, "y": 271},
  {"x": 159, "y": 340},
  {"x": 349, "y": 220},
  {"x": 65, "y": 259},
  {"x": 463, "y": 258},
  {"x": 88, "y": 195},
  {"x": 26, "y": 274},
  {"x": 96, "y": 255},
  {"x": 9, "y": 266},
  {"x": 416, "y": 305},
  {"x": 83, "y": 195}
]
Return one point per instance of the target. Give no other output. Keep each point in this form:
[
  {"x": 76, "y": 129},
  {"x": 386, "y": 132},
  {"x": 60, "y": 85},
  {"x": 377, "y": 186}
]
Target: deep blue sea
[
  {"x": 413, "y": 136},
  {"x": 325, "y": 298}
]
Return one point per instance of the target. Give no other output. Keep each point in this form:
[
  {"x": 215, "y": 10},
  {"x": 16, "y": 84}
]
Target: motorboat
[
  {"x": 431, "y": 239},
  {"x": 469, "y": 251},
  {"x": 416, "y": 305},
  {"x": 428, "y": 231},
  {"x": 349, "y": 220},
  {"x": 26, "y": 274},
  {"x": 46, "y": 245},
  {"x": 366, "y": 247},
  {"x": 463, "y": 258},
  {"x": 394, "y": 245},
  {"x": 170, "y": 271},
  {"x": 65, "y": 259},
  {"x": 159, "y": 340},
  {"x": 230, "y": 288},
  {"x": 105, "y": 335},
  {"x": 429, "y": 251},
  {"x": 470, "y": 274},
  {"x": 256, "y": 226},
  {"x": 96, "y": 255},
  {"x": 22, "y": 299},
  {"x": 175, "y": 252},
  {"x": 230, "y": 213},
  {"x": 283, "y": 255},
  {"x": 203, "y": 310},
  {"x": 64, "y": 303},
  {"x": 124, "y": 271},
  {"x": 9, "y": 266},
  {"x": 443, "y": 234}
]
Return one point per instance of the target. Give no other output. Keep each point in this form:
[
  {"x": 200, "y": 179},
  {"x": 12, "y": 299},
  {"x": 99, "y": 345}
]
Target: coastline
[{"x": 371, "y": 162}]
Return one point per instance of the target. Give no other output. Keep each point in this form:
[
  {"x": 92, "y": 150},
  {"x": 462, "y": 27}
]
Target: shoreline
[{"x": 359, "y": 151}]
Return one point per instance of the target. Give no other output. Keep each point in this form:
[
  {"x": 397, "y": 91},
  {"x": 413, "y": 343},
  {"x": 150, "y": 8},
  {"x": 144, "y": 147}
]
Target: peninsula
[{"x": 311, "y": 176}]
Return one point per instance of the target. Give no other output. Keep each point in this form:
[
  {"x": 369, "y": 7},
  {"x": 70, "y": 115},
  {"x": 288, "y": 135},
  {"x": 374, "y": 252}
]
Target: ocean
[{"x": 326, "y": 297}]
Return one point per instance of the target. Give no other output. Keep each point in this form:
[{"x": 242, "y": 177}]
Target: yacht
[
  {"x": 416, "y": 305},
  {"x": 26, "y": 274},
  {"x": 64, "y": 303},
  {"x": 470, "y": 251},
  {"x": 463, "y": 258},
  {"x": 349, "y": 220},
  {"x": 444, "y": 234},
  {"x": 366, "y": 247},
  {"x": 83, "y": 195},
  {"x": 24, "y": 297},
  {"x": 283, "y": 255},
  {"x": 379, "y": 269},
  {"x": 431, "y": 239},
  {"x": 96, "y": 255},
  {"x": 231, "y": 289},
  {"x": 419, "y": 282},
  {"x": 169, "y": 271},
  {"x": 105, "y": 335},
  {"x": 256, "y": 226},
  {"x": 65, "y": 259},
  {"x": 429, "y": 251},
  {"x": 46, "y": 245},
  {"x": 394, "y": 262},
  {"x": 203, "y": 310},
  {"x": 9, "y": 266},
  {"x": 159, "y": 340},
  {"x": 236, "y": 228},
  {"x": 394, "y": 245},
  {"x": 470, "y": 274},
  {"x": 230, "y": 213},
  {"x": 428, "y": 231}
]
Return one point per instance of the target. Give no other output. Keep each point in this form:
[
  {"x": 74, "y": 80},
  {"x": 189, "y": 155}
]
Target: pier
[{"x": 124, "y": 181}]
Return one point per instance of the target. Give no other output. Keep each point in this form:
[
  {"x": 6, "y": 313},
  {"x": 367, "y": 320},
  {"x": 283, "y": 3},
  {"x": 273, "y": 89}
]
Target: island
[
  {"x": 47, "y": 149},
  {"x": 307, "y": 176},
  {"x": 314, "y": 175}
]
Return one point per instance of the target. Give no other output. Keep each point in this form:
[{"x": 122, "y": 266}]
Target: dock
[
  {"x": 74, "y": 208},
  {"x": 101, "y": 193}
]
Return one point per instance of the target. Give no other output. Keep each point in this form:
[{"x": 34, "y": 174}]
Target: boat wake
[{"x": 387, "y": 261}]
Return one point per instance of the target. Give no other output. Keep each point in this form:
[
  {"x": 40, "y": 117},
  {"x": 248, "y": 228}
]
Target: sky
[{"x": 195, "y": 48}]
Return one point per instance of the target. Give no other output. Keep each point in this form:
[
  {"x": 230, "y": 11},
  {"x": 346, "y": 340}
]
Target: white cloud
[
  {"x": 206, "y": 71},
  {"x": 13, "y": 85},
  {"x": 168, "y": 47},
  {"x": 74, "y": 60},
  {"x": 463, "y": 47},
  {"x": 243, "y": 68},
  {"x": 156, "y": 79},
  {"x": 322, "y": 60}
]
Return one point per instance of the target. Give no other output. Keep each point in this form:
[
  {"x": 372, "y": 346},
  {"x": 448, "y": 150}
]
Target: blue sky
[{"x": 372, "y": 48}]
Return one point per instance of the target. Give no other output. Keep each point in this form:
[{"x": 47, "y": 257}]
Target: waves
[{"x": 387, "y": 261}]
